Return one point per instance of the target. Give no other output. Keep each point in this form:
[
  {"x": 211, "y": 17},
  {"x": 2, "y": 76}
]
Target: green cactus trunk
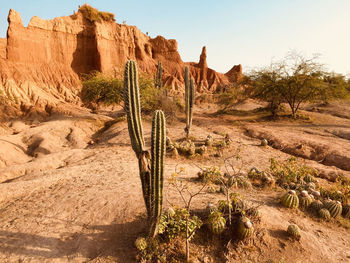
[
  {"x": 151, "y": 168},
  {"x": 157, "y": 168},
  {"x": 189, "y": 101},
  {"x": 159, "y": 75}
]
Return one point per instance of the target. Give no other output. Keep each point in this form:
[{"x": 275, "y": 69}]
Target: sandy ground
[{"x": 70, "y": 189}]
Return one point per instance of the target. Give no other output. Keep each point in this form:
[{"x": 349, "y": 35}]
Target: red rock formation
[
  {"x": 3, "y": 44},
  {"x": 235, "y": 73},
  {"x": 42, "y": 62}
]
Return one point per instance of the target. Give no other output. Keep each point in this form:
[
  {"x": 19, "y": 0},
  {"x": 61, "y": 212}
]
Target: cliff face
[{"x": 40, "y": 64}]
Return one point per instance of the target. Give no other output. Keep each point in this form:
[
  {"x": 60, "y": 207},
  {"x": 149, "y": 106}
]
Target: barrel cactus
[
  {"x": 264, "y": 142},
  {"x": 216, "y": 222},
  {"x": 316, "y": 205},
  {"x": 334, "y": 208},
  {"x": 324, "y": 214},
  {"x": 309, "y": 178},
  {"x": 209, "y": 140},
  {"x": 210, "y": 208},
  {"x": 245, "y": 228},
  {"x": 294, "y": 231},
  {"x": 141, "y": 243},
  {"x": 290, "y": 199},
  {"x": 304, "y": 199},
  {"x": 346, "y": 211}
]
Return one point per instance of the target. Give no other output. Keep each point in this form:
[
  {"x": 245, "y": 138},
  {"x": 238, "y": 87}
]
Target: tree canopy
[{"x": 296, "y": 79}]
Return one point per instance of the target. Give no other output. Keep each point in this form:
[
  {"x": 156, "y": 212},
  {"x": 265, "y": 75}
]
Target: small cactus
[
  {"x": 216, "y": 223},
  {"x": 346, "y": 211},
  {"x": 141, "y": 243},
  {"x": 334, "y": 208},
  {"x": 245, "y": 228},
  {"x": 209, "y": 141},
  {"x": 304, "y": 199},
  {"x": 210, "y": 208},
  {"x": 316, "y": 205},
  {"x": 264, "y": 142},
  {"x": 290, "y": 200},
  {"x": 294, "y": 231},
  {"x": 324, "y": 214},
  {"x": 309, "y": 178}
]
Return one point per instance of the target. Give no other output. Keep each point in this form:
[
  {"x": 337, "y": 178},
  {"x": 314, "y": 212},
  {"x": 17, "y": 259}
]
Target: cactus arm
[
  {"x": 132, "y": 107},
  {"x": 133, "y": 110},
  {"x": 157, "y": 168}
]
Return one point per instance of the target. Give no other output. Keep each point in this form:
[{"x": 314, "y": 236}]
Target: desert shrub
[
  {"x": 93, "y": 15},
  {"x": 174, "y": 225},
  {"x": 289, "y": 171},
  {"x": 232, "y": 95},
  {"x": 210, "y": 175},
  {"x": 99, "y": 89}
]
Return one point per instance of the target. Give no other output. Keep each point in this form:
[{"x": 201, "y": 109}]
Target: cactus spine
[
  {"x": 159, "y": 75},
  {"x": 189, "y": 100},
  {"x": 151, "y": 168}
]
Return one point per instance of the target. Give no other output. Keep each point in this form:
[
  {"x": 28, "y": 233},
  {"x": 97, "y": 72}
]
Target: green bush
[
  {"x": 174, "y": 225},
  {"x": 93, "y": 15},
  {"x": 99, "y": 89}
]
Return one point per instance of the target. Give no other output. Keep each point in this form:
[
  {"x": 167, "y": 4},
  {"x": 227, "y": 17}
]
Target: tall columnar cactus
[
  {"x": 157, "y": 167},
  {"x": 151, "y": 168},
  {"x": 189, "y": 100},
  {"x": 159, "y": 75}
]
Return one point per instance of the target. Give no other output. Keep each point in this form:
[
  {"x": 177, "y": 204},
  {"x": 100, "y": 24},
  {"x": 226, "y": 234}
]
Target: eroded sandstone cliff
[{"x": 40, "y": 64}]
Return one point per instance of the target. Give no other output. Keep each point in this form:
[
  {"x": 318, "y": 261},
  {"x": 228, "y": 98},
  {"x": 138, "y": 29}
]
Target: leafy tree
[{"x": 294, "y": 80}]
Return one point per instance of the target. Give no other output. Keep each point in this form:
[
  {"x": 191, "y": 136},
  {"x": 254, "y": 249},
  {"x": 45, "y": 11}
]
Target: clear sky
[{"x": 247, "y": 32}]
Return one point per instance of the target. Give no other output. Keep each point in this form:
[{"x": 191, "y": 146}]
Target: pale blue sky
[{"x": 250, "y": 32}]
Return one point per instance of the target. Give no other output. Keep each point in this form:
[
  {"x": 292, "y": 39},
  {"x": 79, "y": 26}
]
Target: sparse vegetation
[{"x": 93, "y": 15}]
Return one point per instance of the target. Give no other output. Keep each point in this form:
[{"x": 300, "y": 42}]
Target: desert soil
[{"x": 70, "y": 189}]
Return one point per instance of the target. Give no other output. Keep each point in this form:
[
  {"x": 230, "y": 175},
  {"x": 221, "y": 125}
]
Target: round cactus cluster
[
  {"x": 290, "y": 199},
  {"x": 245, "y": 228},
  {"x": 334, "y": 208},
  {"x": 294, "y": 231},
  {"x": 216, "y": 223},
  {"x": 324, "y": 214}
]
